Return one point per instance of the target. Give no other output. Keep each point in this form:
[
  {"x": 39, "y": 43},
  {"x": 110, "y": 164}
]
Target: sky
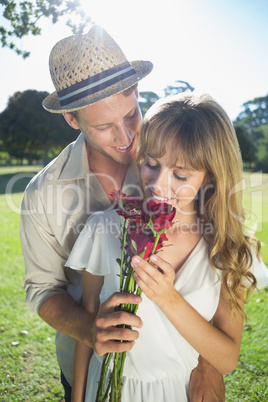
[{"x": 219, "y": 47}]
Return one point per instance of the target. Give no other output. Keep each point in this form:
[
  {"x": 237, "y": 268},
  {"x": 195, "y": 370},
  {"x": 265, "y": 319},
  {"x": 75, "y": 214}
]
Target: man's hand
[
  {"x": 206, "y": 384},
  {"x": 106, "y": 333}
]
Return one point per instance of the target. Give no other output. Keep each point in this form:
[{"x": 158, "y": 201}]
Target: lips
[
  {"x": 125, "y": 148},
  {"x": 162, "y": 199}
]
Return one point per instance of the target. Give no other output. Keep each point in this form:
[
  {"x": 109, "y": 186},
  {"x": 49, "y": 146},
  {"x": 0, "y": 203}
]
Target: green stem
[
  {"x": 105, "y": 364},
  {"x": 107, "y": 390},
  {"x": 155, "y": 243},
  {"x": 123, "y": 253},
  {"x": 115, "y": 376},
  {"x": 128, "y": 285},
  {"x": 123, "y": 357}
]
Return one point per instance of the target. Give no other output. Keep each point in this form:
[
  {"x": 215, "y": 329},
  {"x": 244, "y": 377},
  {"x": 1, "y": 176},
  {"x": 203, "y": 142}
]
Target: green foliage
[
  {"x": 251, "y": 127},
  {"x": 28, "y": 131},
  {"x": 177, "y": 87},
  {"x": 262, "y": 163},
  {"x": 247, "y": 146},
  {"x": 255, "y": 113},
  {"x": 22, "y": 19},
  {"x": 146, "y": 100},
  {"x": 28, "y": 367},
  {"x": 249, "y": 382}
]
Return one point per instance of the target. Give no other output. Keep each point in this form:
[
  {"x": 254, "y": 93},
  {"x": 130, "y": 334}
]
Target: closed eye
[
  {"x": 103, "y": 127},
  {"x": 181, "y": 178},
  {"x": 131, "y": 116},
  {"x": 153, "y": 167}
]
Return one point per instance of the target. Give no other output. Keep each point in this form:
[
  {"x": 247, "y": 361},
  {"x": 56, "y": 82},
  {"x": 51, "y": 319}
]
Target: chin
[{"x": 125, "y": 160}]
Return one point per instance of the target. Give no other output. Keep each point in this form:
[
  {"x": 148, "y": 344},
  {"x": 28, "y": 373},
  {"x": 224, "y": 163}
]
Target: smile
[
  {"x": 161, "y": 198},
  {"x": 125, "y": 148}
]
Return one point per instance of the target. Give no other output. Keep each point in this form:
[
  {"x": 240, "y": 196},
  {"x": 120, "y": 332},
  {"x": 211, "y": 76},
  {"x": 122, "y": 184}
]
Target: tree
[
  {"x": 254, "y": 119},
  {"x": 262, "y": 162},
  {"x": 255, "y": 113},
  {"x": 28, "y": 131},
  {"x": 146, "y": 100},
  {"x": 178, "y": 87},
  {"x": 247, "y": 146},
  {"x": 22, "y": 19}
]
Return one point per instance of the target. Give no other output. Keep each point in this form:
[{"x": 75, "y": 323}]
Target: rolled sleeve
[{"x": 43, "y": 257}]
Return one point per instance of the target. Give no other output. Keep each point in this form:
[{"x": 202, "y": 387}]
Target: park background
[{"x": 212, "y": 46}]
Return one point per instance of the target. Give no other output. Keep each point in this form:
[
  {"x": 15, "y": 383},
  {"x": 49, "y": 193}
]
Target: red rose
[
  {"x": 145, "y": 241},
  {"x": 161, "y": 214},
  {"x": 144, "y": 244},
  {"x": 129, "y": 206},
  {"x": 132, "y": 215}
]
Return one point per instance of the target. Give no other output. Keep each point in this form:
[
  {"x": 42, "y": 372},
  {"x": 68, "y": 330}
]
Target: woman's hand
[{"x": 156, "y": 279}]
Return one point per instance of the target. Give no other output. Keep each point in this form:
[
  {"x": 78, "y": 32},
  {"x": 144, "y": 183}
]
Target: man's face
[{"x": 112, "y": 128}]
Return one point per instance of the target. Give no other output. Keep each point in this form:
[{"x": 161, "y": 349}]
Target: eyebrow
[{"x": 99, "y": 125}]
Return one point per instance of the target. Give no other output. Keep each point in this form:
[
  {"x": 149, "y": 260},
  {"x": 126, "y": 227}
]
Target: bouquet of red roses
[{"x": 143, "y": 233}]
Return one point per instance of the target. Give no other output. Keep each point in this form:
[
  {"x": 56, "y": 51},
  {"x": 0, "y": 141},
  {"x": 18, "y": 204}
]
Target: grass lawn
[{"x": 28, "y": 367}]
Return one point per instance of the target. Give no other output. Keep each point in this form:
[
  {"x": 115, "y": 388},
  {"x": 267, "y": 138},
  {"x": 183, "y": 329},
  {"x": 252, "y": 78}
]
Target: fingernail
[
  {"x": 136, "y": 259},
  {"x": 153, "y": 258}
]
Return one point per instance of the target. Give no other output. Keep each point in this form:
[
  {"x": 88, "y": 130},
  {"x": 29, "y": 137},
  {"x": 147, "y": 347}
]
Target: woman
[{"x": 189, "y": 158}]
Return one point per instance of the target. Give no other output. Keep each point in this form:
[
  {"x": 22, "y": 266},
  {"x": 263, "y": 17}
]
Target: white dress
[{"x": 158, "y": 367}]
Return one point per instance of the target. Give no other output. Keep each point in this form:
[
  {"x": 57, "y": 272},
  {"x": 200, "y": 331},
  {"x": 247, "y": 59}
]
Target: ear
[
  {"x": 137, "y": 93},
  {"x": 71, "y": 120}
]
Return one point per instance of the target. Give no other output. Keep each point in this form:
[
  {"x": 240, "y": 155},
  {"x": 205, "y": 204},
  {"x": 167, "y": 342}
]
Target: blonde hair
[{"x": 196, "y": 130}]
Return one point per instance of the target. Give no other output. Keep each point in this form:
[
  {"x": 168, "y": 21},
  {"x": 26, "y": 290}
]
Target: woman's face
[{"x": 176, "y": 185}]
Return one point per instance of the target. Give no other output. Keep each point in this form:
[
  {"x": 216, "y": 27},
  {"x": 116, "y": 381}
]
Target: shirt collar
[
  {"x": 77, "y": 163},
  {"x": 77, "y": 167},
  {"x": 131, "y": 184}
]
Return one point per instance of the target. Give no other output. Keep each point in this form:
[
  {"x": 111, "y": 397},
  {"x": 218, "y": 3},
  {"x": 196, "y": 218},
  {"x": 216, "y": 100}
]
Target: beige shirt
[{"x": 55, "y": 207}]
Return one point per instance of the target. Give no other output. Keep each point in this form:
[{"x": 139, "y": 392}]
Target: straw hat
[{"x": 90, "y": 67}]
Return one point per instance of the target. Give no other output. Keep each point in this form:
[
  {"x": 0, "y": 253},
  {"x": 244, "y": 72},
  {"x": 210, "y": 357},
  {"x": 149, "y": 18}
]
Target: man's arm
[
  {"x": 46, "y": 282},
  {"x": 99, "y": 332},
  {"x": 62, "y": 313},
  {"x": 206, "y": 383}
]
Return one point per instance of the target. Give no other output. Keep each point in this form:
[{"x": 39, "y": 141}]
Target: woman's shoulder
[
  {"x": 105, "y": 222},
  {"x": 96, "y": 243}
]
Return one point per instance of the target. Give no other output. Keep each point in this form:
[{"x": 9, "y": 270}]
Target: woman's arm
[
  {"x": 91, "y": 289},
  {"x": 219, "y": 346}
]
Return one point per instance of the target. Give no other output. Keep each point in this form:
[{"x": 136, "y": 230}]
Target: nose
[
  {"x": 122, "y": 134},
  {"x": 161, "y": 182}
]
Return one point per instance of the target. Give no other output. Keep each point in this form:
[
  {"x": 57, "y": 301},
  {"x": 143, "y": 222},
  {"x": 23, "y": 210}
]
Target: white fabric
[
  {"x": 260, "y": 271},
  {"x": 159, "y": 366}
]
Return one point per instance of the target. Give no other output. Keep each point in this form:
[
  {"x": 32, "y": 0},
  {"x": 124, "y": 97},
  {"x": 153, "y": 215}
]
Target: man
[{"x": 96, "y": 91}]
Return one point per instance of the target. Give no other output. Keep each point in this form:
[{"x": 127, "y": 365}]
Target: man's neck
[{"x": 110, "y": 173}]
